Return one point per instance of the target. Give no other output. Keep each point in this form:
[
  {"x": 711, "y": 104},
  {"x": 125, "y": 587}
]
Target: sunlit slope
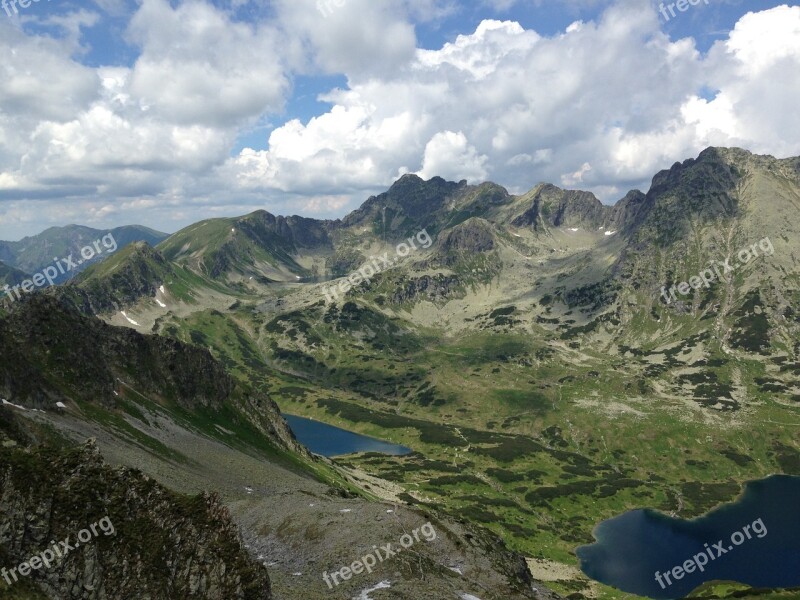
[{"x": 258, "y": 245}]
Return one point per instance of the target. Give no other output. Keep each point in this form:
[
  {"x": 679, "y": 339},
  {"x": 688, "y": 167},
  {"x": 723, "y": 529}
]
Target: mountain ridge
[{"x": 33, "y": 253}]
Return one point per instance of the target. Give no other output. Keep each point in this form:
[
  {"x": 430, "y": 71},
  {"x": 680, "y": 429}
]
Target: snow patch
[
  {"x": 346, "y": 510},
  {"x": 162, "y": 290},
  {"x": 161, "y": 304},
  {"x": 574, "y": 228},
  {"x": 7, "y": 403},
  {"x": 131, "y": 321},
  {"x": 383, "y": 585},
  {"x": 610, "y": 232},
  {"x": 61, "y": 405},
  {"x": 469, "y": 597}
]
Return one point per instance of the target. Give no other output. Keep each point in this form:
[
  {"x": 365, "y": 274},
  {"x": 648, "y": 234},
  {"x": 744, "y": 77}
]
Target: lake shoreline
[{"x": 630, "y": 547}]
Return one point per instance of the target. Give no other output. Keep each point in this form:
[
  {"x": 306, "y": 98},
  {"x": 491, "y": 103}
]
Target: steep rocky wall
[{"x": 164, "y": 545}]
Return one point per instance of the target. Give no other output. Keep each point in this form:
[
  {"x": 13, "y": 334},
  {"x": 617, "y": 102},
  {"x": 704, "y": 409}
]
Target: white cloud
[
  {"x": 451, "y": 156},
  {"x": 197, "y": 67},
  {"x": 575, "y": 179},
  {"x": 356, "y": 37},
  {"x": 39, "y": 80},
  {"x": 602, "y": 105}
]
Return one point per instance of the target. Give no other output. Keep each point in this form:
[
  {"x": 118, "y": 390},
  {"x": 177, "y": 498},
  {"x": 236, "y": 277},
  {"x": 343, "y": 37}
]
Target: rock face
[
  {"x": 625, "y": 212},
  {"x": 553, "y": 207},
  {"x": 57, "y": 353},
  {"x": 52, "y": 353},
  {"x": 469, "y": 238},
  {"x": 154, "y": 543},
  {"x": 284, "y": 233},
  {"x": 135, "y": 272},
  {"x": 409, "y": 204},
  {"x": 433, "y": 288},
  {"x": 280, "y": 237}
]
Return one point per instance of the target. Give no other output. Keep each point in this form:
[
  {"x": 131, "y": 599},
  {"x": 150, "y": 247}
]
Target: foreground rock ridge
[{"x": 164, "y": 545}]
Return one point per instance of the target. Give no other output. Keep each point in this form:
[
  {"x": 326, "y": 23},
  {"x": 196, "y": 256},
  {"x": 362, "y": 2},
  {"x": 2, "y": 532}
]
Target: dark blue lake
[
  {"x": 331, "y": 441},
  {"x": 759, "y": 534}
]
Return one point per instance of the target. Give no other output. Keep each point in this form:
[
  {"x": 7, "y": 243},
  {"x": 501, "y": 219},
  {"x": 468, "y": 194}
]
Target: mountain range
[
  {"x": 550, "y": 360},
  {"x": 31, "y": 254}
]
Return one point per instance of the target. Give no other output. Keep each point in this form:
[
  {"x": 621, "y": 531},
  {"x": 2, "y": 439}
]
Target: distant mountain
[
  {"x": 255, "y": 245},
  {"x": 551, "y": 206},
  {"x": 34, "y": 253},
  {"x": 572, "y": 268},
  {"x": 244, "y": 253},
  {"x": 11, "y": 276},
  {"x": 137, "y": 271}
]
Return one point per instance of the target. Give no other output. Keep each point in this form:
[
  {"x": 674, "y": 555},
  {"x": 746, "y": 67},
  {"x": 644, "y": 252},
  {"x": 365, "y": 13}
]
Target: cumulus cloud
[
  {"x": 219, "y": 73},
  {"x": 602, "y": 105},
  {"x": 451, "y": 156},
  {"x": 355, "y": 37}
]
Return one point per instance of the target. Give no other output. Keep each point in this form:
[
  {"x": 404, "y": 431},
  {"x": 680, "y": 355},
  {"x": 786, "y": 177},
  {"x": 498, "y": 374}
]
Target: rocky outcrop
[
  {"x": 135, "y": 273},
  {"x": 289, "y": 233},
  {"x": 52, "y": 352},
  {"x": 428, "y": 287},
  {"x": 408, "y": 206},
  {"x": 551, "y": 206},
  {"x": 625, "y": 213},
  {"x": 471, "y": 237},
  {"x": 462, "y": 243},
  {"x": 150, "y": 543}
]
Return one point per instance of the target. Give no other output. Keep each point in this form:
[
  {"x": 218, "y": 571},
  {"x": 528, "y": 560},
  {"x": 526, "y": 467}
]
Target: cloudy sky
[{"x": 164, "y": 113}]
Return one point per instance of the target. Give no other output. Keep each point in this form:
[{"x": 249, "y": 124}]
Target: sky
[{"x": 158, "y": 113}]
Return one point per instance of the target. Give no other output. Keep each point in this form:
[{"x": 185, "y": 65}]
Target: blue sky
[{"x": 163, "y": 113}]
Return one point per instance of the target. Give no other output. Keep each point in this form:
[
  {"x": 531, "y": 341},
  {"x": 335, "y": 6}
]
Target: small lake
[
  {"x": 760, "y": 535},
  {"x": 331, "y": 441}
]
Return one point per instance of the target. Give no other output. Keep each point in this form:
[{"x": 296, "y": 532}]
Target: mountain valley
[{"x": 530, "y": 355}]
